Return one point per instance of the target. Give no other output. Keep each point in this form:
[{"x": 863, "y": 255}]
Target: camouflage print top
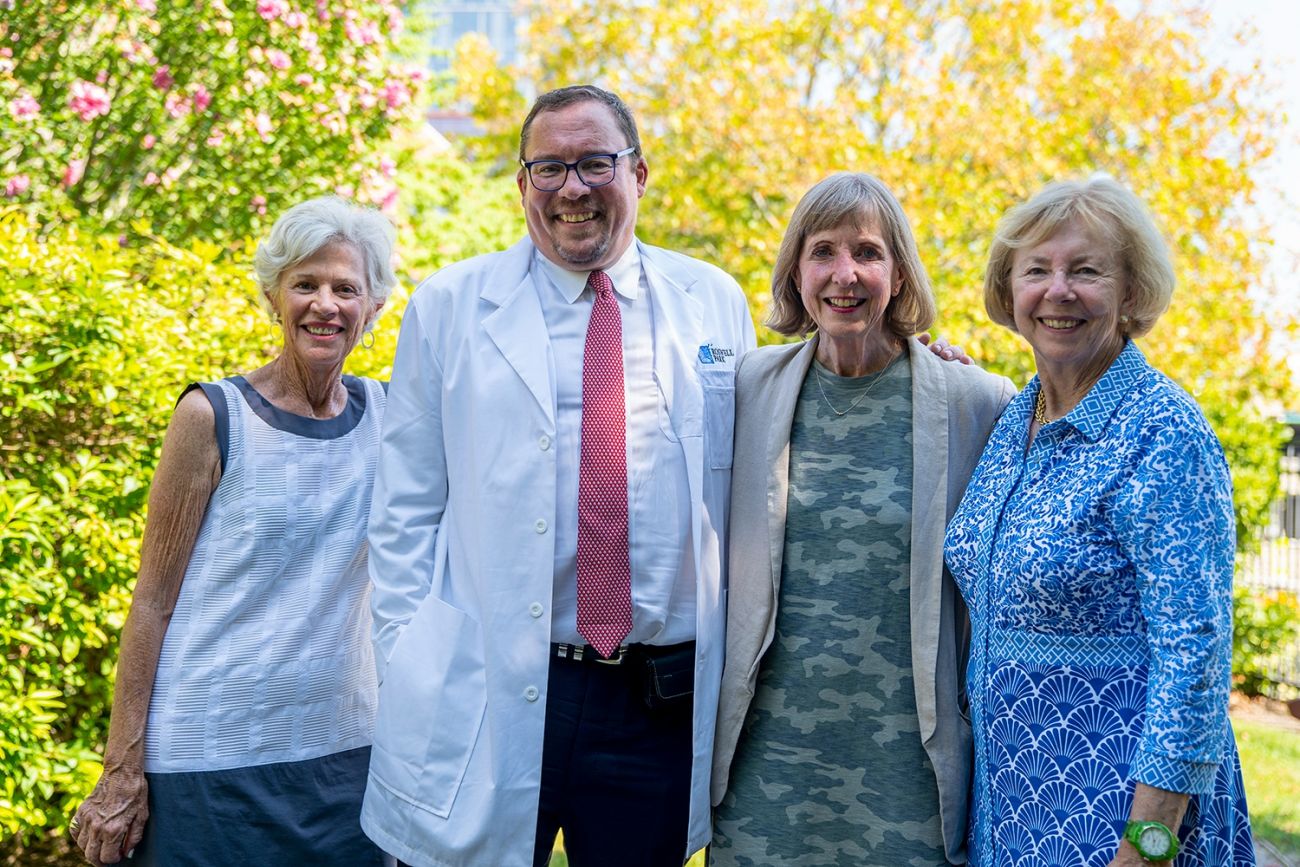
[{"x": 830, "y": 769}]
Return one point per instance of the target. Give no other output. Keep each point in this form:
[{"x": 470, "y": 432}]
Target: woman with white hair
[
  {"x": 1094, "y": 547},
  {"x": 245, "y": 696}
]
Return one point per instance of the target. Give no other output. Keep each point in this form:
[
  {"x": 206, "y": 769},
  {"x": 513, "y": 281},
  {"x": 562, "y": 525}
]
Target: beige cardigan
[{"x": 954, "y": 408}]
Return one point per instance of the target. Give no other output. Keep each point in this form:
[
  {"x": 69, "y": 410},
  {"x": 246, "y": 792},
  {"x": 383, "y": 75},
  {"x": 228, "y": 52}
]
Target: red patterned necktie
[{"x": 604, "y": 573}]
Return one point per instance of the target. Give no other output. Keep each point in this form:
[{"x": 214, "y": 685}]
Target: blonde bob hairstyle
[
  {"x": 860, "y": 200},
  {"x": 1110, "y": 212}
]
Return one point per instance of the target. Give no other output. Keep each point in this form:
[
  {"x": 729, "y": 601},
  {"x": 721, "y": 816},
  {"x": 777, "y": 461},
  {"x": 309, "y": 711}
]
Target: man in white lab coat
[{"x": 499, "y": 722}]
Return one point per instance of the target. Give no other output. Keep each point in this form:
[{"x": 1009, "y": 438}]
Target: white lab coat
[{"x": 462, "y": 548}]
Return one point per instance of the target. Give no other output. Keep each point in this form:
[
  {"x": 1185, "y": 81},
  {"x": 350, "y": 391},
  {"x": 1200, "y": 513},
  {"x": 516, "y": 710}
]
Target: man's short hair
[{"x": 565, "y": 96}]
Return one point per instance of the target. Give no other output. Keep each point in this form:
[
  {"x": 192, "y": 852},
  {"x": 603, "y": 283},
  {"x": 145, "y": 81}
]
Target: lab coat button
[
  {"x": 535, "y": 609},
  {"x": 540, "y": 526},
  {"x": 543, "y": 442},
  {"x": 531, "y": 693}
]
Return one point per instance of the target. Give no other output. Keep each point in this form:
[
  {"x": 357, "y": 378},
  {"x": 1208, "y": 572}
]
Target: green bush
[
  {"x": 1264, "y": 622},
  {"x": 96, "y": 343}
]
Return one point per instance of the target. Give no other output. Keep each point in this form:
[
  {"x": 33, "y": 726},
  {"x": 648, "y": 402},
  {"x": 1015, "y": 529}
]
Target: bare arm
[
  {"x": 1151, "y": 804},
  {"x": 111, "y": 821}
]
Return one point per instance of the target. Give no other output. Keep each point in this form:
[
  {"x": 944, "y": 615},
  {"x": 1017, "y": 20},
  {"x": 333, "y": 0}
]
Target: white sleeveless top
[{"x": 267, "y": 657}]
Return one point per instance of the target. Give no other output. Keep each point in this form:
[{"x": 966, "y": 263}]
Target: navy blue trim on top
[
  {"x": 220, "y": 409},
  {"x": 300, "y": 425}
]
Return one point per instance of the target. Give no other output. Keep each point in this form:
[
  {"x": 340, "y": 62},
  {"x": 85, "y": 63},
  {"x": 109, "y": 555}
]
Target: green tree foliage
[
  {"x": 203, "y": 118},
  {"x": 1265, "y": 624},
  {"x": 96, "y": 343},
  {"x": 964, "y": 108}
]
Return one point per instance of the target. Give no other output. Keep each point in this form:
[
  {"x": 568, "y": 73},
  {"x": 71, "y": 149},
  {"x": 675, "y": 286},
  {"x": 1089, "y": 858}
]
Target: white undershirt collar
[{"x": 625, "y": 275}]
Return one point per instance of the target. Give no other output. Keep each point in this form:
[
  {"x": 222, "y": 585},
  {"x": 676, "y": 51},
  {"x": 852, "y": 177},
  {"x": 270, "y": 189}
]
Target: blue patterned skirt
[{"x": 1056, "y": 743}]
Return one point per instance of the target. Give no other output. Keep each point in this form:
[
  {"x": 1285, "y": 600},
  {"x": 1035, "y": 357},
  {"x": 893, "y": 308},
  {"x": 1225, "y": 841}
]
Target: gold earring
[{"x": 370, "y": 335}]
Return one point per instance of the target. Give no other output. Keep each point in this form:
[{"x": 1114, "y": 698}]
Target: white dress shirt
[{"x": 663, "y": 575}]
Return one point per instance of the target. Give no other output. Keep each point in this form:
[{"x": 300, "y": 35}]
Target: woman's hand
[
  {"x": 110, "y": 823},
  {"x": 1127, "y": 856},
  {"x": 944, "y": 349},
  {"x": 1150, "y": 804}
]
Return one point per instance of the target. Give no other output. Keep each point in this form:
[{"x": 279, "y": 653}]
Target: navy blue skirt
[{"x": 287, "y": 813}]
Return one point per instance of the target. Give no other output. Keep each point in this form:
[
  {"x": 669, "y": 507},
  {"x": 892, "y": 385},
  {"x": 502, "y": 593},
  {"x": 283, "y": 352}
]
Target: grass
[{"x": 1270, "y": 765}]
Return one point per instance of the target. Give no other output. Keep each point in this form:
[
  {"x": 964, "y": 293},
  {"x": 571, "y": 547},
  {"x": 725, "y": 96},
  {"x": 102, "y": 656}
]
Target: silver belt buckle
[{"x": 616, "y": 659}]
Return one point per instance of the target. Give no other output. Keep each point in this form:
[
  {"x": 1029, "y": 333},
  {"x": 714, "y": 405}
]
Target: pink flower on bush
[
  {"x": 304, "y": 79},
  {"x": 162, "y": 78},
  {"x": 148, "y": 141},
  {"x": 365, "y": 33},
  {"x": 201, "y": 99},
  {"x": 395, "y": 93},
  {"x": 176, "y": 105},
  {"x": 296, "y": 20},
  {"x": 217, "y": 136},
  {"x": 262, "y": 123},
  {"x": 387, "y": 167},
  {"x": 272, "y": 9},
  {"x": 17, "y": 185},
  {"x": 88, "y": 100},
  {"x": 24, "y": 106},
  {"x": 73, "y": 174},
  {"x": 258, "y": 205},
  {"x": 255, "y": 80},
  {"x": 277, "y": 58},
  {"x": 150, "y": 6},
  {"x": 151, "y": 179}
]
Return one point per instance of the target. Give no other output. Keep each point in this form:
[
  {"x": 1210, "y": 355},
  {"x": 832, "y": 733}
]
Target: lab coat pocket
[
  {"x": 431, "y": 707},
  {"x": 719, "y": 416}
]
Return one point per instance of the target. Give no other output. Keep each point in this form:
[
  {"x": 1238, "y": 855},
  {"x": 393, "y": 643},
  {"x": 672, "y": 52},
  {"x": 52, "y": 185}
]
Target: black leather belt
[
  {"x": 587, "y": 653},
  {"x": 580, "y": 652}
]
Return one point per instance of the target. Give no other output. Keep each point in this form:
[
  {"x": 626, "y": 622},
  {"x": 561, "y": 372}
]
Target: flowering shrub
[{"x": 198, "y": 116}]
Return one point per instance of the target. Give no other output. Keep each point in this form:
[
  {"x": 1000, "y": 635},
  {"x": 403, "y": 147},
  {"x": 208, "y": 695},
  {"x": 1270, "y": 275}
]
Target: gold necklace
[
  {"x": 1040, "y": 409},
  {"x": 857, "y": 400}
]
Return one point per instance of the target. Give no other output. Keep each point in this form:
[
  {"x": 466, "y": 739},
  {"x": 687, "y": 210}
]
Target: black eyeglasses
[{"x": 594, "y": 170}]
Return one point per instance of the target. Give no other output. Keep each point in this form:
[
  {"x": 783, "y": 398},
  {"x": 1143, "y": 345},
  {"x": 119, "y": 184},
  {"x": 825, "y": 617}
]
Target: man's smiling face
[{"x": 578, "y": 227}]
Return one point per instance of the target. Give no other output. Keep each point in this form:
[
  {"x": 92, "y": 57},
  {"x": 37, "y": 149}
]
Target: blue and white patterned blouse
[{"x": 1097, "y": 566}]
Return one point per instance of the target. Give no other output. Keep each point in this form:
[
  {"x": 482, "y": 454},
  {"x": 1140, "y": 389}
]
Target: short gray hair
[
  {"x": 1114, "y": 213},
  {"x": 307, "y": 227},
  {"x": 862, "y": 200}
]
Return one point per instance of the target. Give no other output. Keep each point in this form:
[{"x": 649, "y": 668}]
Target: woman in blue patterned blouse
[{"x": 1094, "y": 548}]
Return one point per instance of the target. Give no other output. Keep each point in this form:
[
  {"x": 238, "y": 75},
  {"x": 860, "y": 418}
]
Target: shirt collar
[
  {"x": 625, "y": 274},
  {"x": 1092, "y": 414}
]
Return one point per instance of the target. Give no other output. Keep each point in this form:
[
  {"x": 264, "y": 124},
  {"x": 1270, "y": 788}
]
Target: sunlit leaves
[{"x": 965, "y": 108}]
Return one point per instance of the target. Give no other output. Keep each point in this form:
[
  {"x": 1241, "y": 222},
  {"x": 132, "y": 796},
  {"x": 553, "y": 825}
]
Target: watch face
[{"x": 1153, "y": 840}]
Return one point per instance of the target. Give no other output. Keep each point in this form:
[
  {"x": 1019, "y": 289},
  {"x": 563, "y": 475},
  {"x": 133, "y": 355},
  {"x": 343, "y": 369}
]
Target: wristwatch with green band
[{"x": 1153, "y": 841}]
